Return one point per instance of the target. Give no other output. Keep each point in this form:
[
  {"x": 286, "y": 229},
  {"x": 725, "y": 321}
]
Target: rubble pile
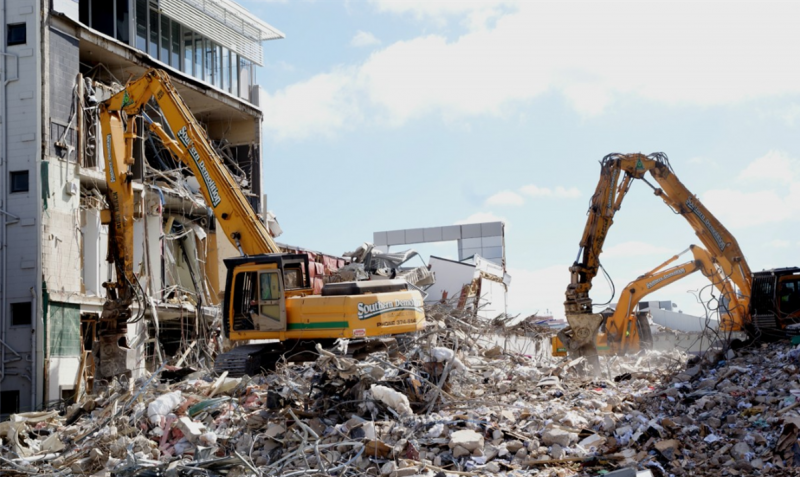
[{"x": 449, "y": 401}]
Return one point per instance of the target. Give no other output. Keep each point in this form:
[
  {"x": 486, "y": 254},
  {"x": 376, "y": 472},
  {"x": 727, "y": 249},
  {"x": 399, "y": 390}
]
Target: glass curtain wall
[{"x": 173, "y": 44}]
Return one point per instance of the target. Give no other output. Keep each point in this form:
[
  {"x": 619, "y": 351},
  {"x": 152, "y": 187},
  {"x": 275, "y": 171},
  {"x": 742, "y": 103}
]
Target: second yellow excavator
[
  {"x": 764, "y": 304},
  {"x": 268, "y": 295},
  {"x": 626, "y": 331}
]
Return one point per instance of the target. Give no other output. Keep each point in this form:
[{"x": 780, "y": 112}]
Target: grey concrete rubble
[{"x": 501, "y": 412}]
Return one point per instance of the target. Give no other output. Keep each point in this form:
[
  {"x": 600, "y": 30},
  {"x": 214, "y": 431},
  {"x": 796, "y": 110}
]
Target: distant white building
[
  {"x": 462, "y": 283},
  {"x": 480, "y": 272},
  {"x": 666, "y": 313}
]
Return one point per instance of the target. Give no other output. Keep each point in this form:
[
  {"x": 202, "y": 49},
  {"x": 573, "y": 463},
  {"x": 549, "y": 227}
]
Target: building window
[
  {"x": 175, "y": 50},
  {"x": 198, "y": 57},
  {"x": 102, "y": 14},
  {"x": 16, "y": 34},
  {"x": 165, "y": 40},
  {"x": 209, "y": 49},
  {"x": 245, "y": 75},
  {"x": 9, "y": 402},
  {"x": 141, "y": 25},
  {"x": 226, "y": 69},
  {"x": 235, "y": 74},
  {"x": 152, "y": 49},
  {"x": 188, "y": 51},
  {"x": 218, "y": 66},
  {"x": 19, "y": 181},
  {"x": 122, "y": 14},
  {"x": 21, "y": 314}
]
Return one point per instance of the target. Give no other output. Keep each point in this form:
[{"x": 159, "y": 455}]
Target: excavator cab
[
  {"x": 257, "y": 287},
  {"x": 776, "y": 301}
]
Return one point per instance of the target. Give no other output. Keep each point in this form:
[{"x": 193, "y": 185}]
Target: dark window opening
[
  {"x": 9, "y": 402},
  {"x": 83, "y": 14},
  {"x": 123, "y": 22},
  {"x": 141, "y": 24},
  {"x": 103, "y": 17},
  {"x": 152, "y": 48},
  {"x": 21, "y": 314},
  {"x": 165, "y": 39},
  {"x": 175, "y": 49},
  {"x": 19, "y": 181},
  {"x": 67, "y": 395},
  {"x": 17, "y": 34}
]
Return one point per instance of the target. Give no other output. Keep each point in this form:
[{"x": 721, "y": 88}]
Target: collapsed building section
[
  {"x": 477, "y": 281},
  {"x": 54, "y": 241}
]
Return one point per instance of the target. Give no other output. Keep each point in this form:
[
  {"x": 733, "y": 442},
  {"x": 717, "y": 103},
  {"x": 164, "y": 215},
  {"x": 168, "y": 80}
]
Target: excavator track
[{"x": 256, "y": 358}]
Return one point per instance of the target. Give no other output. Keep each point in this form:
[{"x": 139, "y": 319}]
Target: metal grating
[{"x": 225, "y": 23}]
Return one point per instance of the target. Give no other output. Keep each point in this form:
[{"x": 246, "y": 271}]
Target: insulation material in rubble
[{"x": 418, "y": 413}]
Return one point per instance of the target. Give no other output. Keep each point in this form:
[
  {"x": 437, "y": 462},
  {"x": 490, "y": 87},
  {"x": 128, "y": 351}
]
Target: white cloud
[
  {"x": 735, "y": 54},
  {"x": 737, "y": 209},
  {"x": 322, "y": 105},
  {"x": 480, "y": 217},
  {"x": 779, "y": 243},
  {"x": 364, "y": 38},
  {"x": 637, "y": 249},
  {"x": 560, "y": 192},
  {"x": 505, "y": 197},
  {"x": 774, "y": 166},
  {"x": 435, "y": 9}
]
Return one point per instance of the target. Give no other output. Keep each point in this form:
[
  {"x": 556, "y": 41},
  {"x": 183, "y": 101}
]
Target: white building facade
[{"x": 52, "y": 244}]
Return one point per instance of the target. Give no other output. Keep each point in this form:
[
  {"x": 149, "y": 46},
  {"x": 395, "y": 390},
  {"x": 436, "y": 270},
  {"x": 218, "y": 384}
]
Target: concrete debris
[{"x": 505, "y": 413}]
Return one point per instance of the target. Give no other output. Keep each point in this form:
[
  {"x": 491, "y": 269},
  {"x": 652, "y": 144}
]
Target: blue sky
[{"x": 385, "y": 114}]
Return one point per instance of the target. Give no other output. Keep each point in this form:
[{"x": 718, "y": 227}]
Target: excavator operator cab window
[
  {"x": 789, "y": 296},
  {"x": 258, "y": 301},
  {"x": 293, "y": 278},
  {"x": 244, "y": 298},
  {"x": 269, "y": 301}
]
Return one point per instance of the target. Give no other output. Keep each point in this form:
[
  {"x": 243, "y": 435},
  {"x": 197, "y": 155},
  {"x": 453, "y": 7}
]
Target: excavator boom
[
  {"x": 268, "y": 294},
  {"x": 618, "y": 171},
  {"x": 189, "y": 143}
]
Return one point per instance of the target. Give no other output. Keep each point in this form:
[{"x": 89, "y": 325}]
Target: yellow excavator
[
  {"x": 618, "y": 171},
  {"x": 268, "y": 294},
  {"x": 764, "y": 304},
  {"x": 626, "y": 331}
]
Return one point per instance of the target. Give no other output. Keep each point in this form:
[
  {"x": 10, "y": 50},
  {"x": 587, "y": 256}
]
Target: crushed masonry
[{"x": 458, "y": 399}]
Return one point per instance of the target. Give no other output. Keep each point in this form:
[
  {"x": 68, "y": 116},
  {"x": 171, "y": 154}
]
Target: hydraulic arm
[
  {"x": 118, "y": 149},
  {"x": 189, "y": 143},
  {"x": 618, "y": 171}
]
